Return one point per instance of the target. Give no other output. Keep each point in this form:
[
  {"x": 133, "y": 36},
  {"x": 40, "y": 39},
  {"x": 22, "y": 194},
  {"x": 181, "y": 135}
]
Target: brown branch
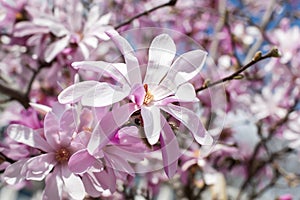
[
  {"x": 236, "y": 75},
  {"x": 170, "y": 3},
  {"x": 15, "y": 95}
]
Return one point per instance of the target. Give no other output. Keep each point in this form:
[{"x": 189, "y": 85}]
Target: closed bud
[{"x": 257, "y": 56}]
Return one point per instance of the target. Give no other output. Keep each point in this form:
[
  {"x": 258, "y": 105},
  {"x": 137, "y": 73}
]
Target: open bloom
[
  {"x": 55, "y": 141},
  {"x": 164, "y": 83}
]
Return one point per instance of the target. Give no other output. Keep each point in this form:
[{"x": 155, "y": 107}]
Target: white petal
[
  {"x": 28, "y": 136},
  {"x": 185, "y": 68},
  {"x": 104, "y": 94},
  {"x": 191, "y": 121},
  {"x": 73, "y": 183},
  {"x": 161, "y": 54},
  {"x": 74, "y": 92},
  {"x": 133, "y": 67},
  {"x": 55, "y": 48},
  {"x": 186, "y": 93},
  {"x": 151, "y": 121}
]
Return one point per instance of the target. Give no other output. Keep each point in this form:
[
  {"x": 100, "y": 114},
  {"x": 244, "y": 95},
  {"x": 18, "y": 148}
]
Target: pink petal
[
  {"x": 51, "y": 128},
  {"x": 151, "y": 121},
  {"x": 133, "y": 67},
  {"x": 184, "y": 68},
  {"x": 37, "y": 168},
  {"x": 138, "y": 94},
  {"x": 91, "y": 185},
  {"x": 72, "y": 183},
  {"x": 14, "y": 173},
  {"x": 169, "y": 148},
  {"x": 112, "y": 121},
  {"x": 55, "y": 48},
  {"x": 28, "y": 136},
  {"x": 102, "y": 68},
  {"x": 107, "y": 179},
  {"x": 191, "y": 121},
  {"x": 26, "y": 28},
  {"x": 104, "y": 94},
  {"x": 54, "y": 186},
  {"x": 81, "y": 161},
  {"x": 128, "y": 153},
  {"x": 74, "y": 93},
  {"x": 68, "y": 125},
  {"x": 161, "y": 54},
  {"x": 118, "y": 163}
]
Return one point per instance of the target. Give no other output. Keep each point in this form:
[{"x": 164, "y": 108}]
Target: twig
[
  {"x": 252, "y": 168},
  {"x": 170, "y": 3},
  {"x": 258, "y": 57},
  {"x": 15, "y": 95}
]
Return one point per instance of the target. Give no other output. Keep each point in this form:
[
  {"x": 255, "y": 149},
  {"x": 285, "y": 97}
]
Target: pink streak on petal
[{"x": 170, "y": 149}]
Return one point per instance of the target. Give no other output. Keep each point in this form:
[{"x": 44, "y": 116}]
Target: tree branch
[
  {"x": 236, "y": 75},
  {"x": 170, "y": 3}
]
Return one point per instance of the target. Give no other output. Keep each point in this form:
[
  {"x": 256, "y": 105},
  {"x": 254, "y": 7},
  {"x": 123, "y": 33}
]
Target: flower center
[
  {"x": 62, "y": 155},
  {"x": 148, "y": 96}
]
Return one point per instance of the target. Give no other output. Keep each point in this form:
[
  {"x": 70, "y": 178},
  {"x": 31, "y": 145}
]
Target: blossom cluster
[{"x": 149, "y": 99}]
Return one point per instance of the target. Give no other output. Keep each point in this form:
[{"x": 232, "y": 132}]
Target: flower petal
[
  {"x": 191, "y": 121},
  {"x": 28, "y": 136},
  {"x": 118, "y": 163},
  {"x": 185, "y": 93},
  {"x": 72, "y": 183},
  {"x": 74, "y": 92},
  {"x": 112, "y": 69},
  {"x": 112, "y": 121},
  {"x": 185, "y": 68},
  {"x": 54, "y": 186},
  {"x": 91, "y": 185},
  {"x": 81, "y": 161},
  {"x": 133, "y": 67},
  {"x": 55, "y": 48},
  {"x": 151, "y": 121},
  {"x": 68, "y": 125},
  {"x": 169, "y": 148},
  {"x": 104, "y": 94},
  {"x": 14, "y": 173},
  {"x": 37, "y": 168},
  {"x": 51, "y": 128},
  {"x": 161, "y": 54}
]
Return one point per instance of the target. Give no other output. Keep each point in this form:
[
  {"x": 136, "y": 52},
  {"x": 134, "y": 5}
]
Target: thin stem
[
  {"x": 258, "y": 57},
  {"x": 170, "y": 3}
]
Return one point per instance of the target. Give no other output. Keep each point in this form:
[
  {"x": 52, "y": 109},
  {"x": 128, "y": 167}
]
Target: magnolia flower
[
  {"x": 68, "y": 26},
  {"x": 164, "y": 83},
  {"x": 55, "y": 141}
]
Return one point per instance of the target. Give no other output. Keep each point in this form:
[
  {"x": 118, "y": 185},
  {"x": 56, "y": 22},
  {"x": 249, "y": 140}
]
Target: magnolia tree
[{"x": 179, "y": 99}]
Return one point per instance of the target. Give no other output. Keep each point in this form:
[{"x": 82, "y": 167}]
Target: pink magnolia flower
[
  {"x": 73, "y": 33},
  {"x": 55, "y": 143},
  {"x": 164, "y": 84}
]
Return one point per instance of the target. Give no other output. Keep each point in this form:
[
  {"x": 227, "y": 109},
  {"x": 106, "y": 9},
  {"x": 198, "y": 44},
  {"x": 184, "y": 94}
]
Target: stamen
[
  {"x": 148, "y": 96},
  {"x": 62, "y": 155}
]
